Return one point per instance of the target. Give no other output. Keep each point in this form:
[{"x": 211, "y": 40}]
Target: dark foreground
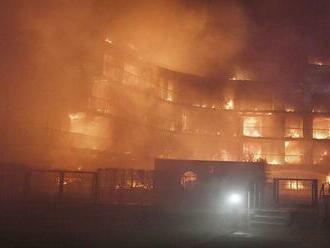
[{"x": 104, "y": 226}]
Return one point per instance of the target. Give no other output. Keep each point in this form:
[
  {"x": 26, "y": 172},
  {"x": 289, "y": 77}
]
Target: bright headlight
[{"x": 234, "y": 198}]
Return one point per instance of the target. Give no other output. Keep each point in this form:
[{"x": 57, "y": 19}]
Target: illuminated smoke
[{"x": 177, "y": 34}]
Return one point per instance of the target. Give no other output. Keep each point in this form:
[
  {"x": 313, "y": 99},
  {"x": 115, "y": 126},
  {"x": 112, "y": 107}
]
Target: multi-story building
[{"x": 138, "y": 111}]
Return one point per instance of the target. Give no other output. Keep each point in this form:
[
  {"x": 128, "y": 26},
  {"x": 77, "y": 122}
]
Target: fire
[
  {"x": 294, "y": 133},
  {"x": 293, "y": 152},
  {"x": 225, "y": 156},
  {"x": 229, "y": 104},
  {"x": 107, "y": 40},
  {"x": 241, "y": 75},
  {"x": 252, "y": 126},
  {"x": 77, "y": 116},
  {"x": 294, "y": 127},
  {"x": 252, "y": 152},
  {"x": 321, "y": 128},
  {"x": 328, "y": 178},
  {"x": 289, "y": 109},
  {"x": 294, "y": 185},
  {"x": 274, "y": 161},
  {"x": 320, "y": 135}
]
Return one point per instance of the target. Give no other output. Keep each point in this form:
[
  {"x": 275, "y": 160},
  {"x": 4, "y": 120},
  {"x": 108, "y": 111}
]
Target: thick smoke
[
  {"x": 59, "y": 46},
  {"x": 193, "y": 37}
]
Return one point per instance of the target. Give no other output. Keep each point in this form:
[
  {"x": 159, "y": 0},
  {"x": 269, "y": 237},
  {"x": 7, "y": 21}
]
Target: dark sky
[{"x": 51, "y": 49}]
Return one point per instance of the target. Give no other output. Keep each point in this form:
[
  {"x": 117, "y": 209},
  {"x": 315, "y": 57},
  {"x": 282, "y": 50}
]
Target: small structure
[{"x": 207, "y": 185}]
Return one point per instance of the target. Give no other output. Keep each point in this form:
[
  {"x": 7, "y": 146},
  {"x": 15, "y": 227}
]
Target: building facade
[
  {"x": 139, "y": 111},
  {"x": 136, "y": 112}
]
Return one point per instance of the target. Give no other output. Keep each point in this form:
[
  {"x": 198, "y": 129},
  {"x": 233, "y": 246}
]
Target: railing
[{"x": 112, "y": 186}]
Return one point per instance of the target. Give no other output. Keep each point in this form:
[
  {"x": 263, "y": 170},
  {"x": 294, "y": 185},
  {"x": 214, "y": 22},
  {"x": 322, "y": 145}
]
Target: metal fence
[
  {"x": 118, "y": 186},
  {"x": 295, "y": 192},
  {"x": 111, "y": 186}
]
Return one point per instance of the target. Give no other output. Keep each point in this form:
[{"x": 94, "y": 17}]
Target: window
[
  {"x": 321, "y": 128},
  {"x": 252, "y": 152},
  {"x": 271, "y": 152},
  {"x": 252, "y": 126},
  {"x": 321, "y": 154},
  {"x": 294, "y": 185},
  {"x": 188, "y": 180},
  {"x": 294, "y": 152},
  {"x": 293, "y": 127}
]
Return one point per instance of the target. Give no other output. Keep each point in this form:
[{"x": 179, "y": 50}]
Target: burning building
[{"x": 137, "y": 111}]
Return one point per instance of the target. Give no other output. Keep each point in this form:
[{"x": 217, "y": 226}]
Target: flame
[
  {"x": 321, "y": 134},
  {"x": 229, "y": 104},
  {"x": 252, "y": 152},
  {"x": 252, "y": 126},
  {"x": 294, "y": 185},
  {"x": 77, "y": 116},
  {"x": 294, "y": 133},
  {"x": 293, "y": 153},
  {"x": 169, "y": 99},
  {"x": 290, "y": 109},
  {"x": 274, "y": 161},
  {"x": 240, "y": 75},
  {"x": 321, "y": 128},
  {"x": 225, "y": 156},
  {"x": 107, "y": 40},
  {"x": 328, "y": 178}
]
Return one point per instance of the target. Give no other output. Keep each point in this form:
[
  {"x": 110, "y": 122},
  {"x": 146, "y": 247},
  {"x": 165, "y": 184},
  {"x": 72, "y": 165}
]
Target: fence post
[
  {"x": 95, "y": 190},
  {"x": 275, "y": 190},
  {"x": 314, "y": 193},
  {"x": 61, "y": 185}
]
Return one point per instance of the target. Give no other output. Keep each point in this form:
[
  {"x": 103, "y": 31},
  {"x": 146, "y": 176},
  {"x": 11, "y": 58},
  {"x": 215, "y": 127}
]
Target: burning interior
[{"x": 137, "y": 111}]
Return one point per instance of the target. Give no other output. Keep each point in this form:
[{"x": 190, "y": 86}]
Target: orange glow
[
  {"x": 294, "y": 133},
  {"x": 321, "y": 128},
  {"x": 294, "y": 185},
  {"x": 274, "y": 161},
  {"x": 188, "y": 179},
  {"x": 240, "y": 75},
  {"x": 328, "y": 178},
  {"x": 252, "y": 126},
  {"x": 290, "y": 109},
  {"x": 224, "y": 155},
  {"x": 77, "y": 116},
  {"x": 107, "y": 40},
  {"x": 293, "y": 152},
  {"x": 293, "y": 127},
  {"x": 252, "y": 152},
  {"x": 229, "y": 104}
]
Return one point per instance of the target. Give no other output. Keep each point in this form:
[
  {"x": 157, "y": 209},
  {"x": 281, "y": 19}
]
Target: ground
[{"x": 104, "y": 226}]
